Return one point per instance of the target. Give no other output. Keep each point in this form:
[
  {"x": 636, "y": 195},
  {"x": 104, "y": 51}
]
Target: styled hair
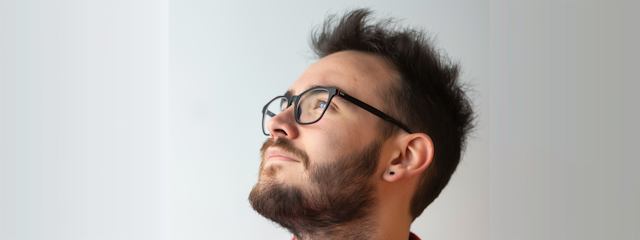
[{"x": 430, "y": 98}]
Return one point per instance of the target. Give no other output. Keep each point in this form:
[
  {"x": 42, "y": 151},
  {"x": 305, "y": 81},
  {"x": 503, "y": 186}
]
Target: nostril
[{"x": 282, "y": 131}]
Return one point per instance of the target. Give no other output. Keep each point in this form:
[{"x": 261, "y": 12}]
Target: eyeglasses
[{"x": 310, "y": 106}]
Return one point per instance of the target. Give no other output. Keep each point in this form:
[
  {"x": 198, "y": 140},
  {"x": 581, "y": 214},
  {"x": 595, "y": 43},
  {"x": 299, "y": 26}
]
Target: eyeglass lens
[{"x": 311, "y": 106}]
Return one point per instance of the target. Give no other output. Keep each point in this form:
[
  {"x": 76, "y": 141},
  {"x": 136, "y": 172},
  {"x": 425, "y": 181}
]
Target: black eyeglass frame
[{"x": 332, "y": 93}]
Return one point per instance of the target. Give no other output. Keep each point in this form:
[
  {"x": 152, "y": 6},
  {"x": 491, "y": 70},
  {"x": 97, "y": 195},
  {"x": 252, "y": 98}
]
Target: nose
[{"x": 283, "y": 125}]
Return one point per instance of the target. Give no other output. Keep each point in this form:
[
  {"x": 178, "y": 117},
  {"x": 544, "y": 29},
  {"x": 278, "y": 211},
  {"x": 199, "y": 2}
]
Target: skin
[{"x": 346, "y": 127}]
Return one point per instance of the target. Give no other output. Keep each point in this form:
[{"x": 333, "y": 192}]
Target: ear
[{"x": 414, "y": 156}]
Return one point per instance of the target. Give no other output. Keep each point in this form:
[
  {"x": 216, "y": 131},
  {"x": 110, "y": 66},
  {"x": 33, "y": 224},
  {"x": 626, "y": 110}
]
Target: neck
[
  {"x": 387, "y": 223},
  {"x": 394, "y": 225},
  {"x": 395, "y": 221},
  {"x": 358, "y": 230}
]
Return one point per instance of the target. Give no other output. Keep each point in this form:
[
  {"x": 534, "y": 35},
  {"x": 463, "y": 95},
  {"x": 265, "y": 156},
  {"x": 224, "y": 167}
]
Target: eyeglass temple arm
[{"x": 372, "y": 110}]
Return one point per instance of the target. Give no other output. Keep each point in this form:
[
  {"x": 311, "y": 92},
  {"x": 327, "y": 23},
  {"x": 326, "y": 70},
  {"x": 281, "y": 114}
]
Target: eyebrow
[{"x": 289, "y": 93}]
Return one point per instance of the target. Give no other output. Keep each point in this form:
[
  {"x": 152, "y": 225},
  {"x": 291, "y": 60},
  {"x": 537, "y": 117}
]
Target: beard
[{"x": 342, "y": 191}]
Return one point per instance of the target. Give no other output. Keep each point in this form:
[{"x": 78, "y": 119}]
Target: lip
[{"x": 277, "y": 155}]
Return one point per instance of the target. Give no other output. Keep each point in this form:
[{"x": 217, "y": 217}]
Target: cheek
[
  {"x": 343, "y": 140},
  {"x": 354, "y": 133},
  {"x": 324, "y": 142},
  {"x": 334, "y": 136},
  {"x": 334, "y": 142},
  {"x": 341, "y": 137}
]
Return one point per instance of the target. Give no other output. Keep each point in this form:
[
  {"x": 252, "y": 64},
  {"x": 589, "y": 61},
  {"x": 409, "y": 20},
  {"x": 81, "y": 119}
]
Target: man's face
[
  {"x": 345, "y": 127},
  {"x": 299, "y": 162}
]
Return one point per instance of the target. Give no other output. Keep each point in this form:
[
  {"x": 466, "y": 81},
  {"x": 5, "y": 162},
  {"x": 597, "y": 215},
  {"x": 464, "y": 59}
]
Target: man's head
[{"x": 344, "y": 166}]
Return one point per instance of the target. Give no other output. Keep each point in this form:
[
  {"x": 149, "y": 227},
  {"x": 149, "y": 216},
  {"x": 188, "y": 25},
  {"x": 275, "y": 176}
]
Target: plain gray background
[{"x": 141, "y": 119}]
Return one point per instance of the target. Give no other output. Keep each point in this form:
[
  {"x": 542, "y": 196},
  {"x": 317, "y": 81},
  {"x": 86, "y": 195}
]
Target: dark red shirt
[{"x": 411, "y": 237}]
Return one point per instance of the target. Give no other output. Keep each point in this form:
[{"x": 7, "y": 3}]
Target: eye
[{"x": 319, "y": 104}]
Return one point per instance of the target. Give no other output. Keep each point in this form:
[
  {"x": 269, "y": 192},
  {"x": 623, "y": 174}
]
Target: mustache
[{"x": 287, "y": 146}]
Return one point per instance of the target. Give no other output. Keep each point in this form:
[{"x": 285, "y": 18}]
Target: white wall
[
  {"x": 83, "y": 119},
  {"x": 140, "y": 119},
  {"x": 564, "y": 120}
]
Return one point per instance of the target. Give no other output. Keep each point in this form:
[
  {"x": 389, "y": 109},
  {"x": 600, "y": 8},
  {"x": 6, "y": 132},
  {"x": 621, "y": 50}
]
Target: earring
[{"x": 391, "y": 173}]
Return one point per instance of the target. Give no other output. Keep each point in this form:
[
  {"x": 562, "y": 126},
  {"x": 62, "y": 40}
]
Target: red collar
[{"x": 412, "y": 236}]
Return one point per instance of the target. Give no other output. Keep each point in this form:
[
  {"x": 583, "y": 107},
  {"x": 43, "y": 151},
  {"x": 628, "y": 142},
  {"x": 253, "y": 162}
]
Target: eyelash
[{"x": 331, "y": 106}]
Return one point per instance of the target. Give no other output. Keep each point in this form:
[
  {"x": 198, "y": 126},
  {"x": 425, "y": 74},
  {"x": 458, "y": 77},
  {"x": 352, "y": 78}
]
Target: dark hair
[{"x": 429, "y": 99}]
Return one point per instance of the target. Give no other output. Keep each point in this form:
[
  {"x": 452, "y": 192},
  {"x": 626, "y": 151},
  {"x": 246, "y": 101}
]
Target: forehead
[{"x": 361, "y": 75}]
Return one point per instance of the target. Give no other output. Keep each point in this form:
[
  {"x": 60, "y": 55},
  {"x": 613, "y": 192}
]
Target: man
[{"x": 366, "y": 138}]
